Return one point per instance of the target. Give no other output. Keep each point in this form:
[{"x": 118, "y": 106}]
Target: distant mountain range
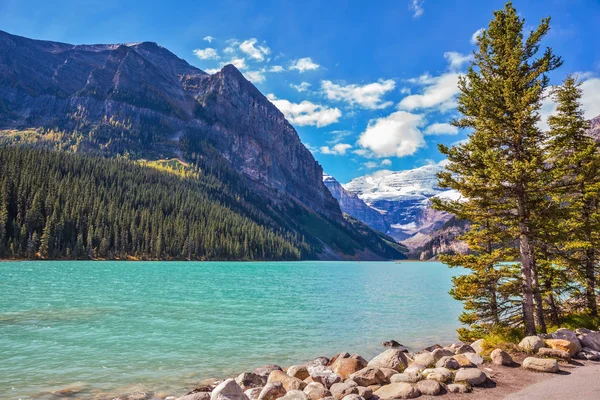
[{"x": 140, "y": 101}]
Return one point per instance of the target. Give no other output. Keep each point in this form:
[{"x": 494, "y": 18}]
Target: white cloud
[
  {"x": 441, "y": 129},
  {"x": 239, "y": 63},
  {"x": 476, "y": 35},
  {"x": 440, "y": 92},
  {"x": 304, "y": 64},
  {"x": 338, "y": 136},
  {"x": 367, "y": 96},
  {"x": 590, "y": 100},
  {"x": 209, "y": 39},
  {"x": 456, "y": 60},
  {"x": 206, "y": 54},
  {"x": 417, "y": 7},
  {"x": 255, "y": 76},
  {"x": 338, "y": 149},
  {"x": 371, "y": 164},
  {"x": 276, "y": 68},
  {"x": 395, "y": 135},
  {"x": 254, "y": 51},
  {"x": 212, "y": 70},
  {"x": 386, "y": 163},
  {"x": 229, "y": 50},
  {"x": 306, "y": 112},
  {"x": 303, "y": 87}
]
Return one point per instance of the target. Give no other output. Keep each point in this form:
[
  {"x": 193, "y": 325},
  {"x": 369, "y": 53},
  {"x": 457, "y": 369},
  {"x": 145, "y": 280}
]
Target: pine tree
[
  {"x": 501, "y": 170},
  {"x": 575, "y": 159}
]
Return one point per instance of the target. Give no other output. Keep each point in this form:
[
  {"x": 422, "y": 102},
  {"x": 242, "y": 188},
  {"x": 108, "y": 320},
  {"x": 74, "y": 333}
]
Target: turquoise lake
[{"x": 110, "y": 328}]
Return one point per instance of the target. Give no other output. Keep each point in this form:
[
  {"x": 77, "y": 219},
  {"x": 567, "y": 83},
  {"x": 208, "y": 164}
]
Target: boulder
[
  {"x": 591, "y": 340},
  {"x": 391, "y": 343},
  {"x": 368, "y": 376},
  {"x": 429, "y": 387},
  {"x": 454, "y": 346},
  {"x": 439, "y": 353},
  {"x": 252, "y": 394},
  {"x": 531, "y": 344},
  {"x": 463, "y": 361},
  {"x": 465, "y": 348},
  {"x": 392, "y": 358},
  {"x": 588, "y": 354},
  {"x": 345, "y": 367},
  {"x": 351, "y": 382},
  {"x": 316, "y": 391},
  {"x": 397, "y": 391},
  {"x": 415, "y": 368},
  {"x": 228, "y": 390},
  {"x": 407, "y": 377},
  {"x": 365, "y": 392},
  {"x": 341, "y": 355},
  {"x": 294, "y": 395},
  {"x": 473, "y": 376},
  {"x": 342, "y": 389},
  {"x": 432, "y": 348},
  {"x": 425, "y": 358},
  {"x": 354, "y": 397},
  {"x": 478, "y": 346},
  {"x": 387, "y": 374},
  {"x": 500, "y": 357},
  {"x": 272, "y": 391},
  {"x": 458, "y": 388},
  {"x": 249, "y": 380},
  {"x": 323, "y": 375},
  {"x": 554, "y": 353},
  {"x": 474, "y": 358},
  {"x": 319, "y": 361},
  {"x": 540, "y": 364},
  {"x": 582, "y": 331},
  {"x": 288, "y": 382},
  {"x": 565, "y": 345},
  {"x": 266, "y": 370},
  {"x": 298, "y": 371},
  {"x": 567, "y": 334},
  {"x": 438, "y": 374},
  {"x": 447, "y": 362}
]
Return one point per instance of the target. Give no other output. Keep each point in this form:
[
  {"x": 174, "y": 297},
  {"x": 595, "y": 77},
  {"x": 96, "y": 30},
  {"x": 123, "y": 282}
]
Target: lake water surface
[{"x": 115, "y": 327}]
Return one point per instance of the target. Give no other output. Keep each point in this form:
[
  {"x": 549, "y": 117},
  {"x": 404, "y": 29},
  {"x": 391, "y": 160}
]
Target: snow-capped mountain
[{"x": 403, "y": 199}]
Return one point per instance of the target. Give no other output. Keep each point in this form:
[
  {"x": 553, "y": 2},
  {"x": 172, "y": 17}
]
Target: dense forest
[
  {"x": 62, "y": 205},
  {"x": 531, "y": 195}
]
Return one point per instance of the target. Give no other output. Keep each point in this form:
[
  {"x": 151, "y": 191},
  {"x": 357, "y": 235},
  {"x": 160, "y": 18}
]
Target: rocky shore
[{"x": 396, "y": 373}]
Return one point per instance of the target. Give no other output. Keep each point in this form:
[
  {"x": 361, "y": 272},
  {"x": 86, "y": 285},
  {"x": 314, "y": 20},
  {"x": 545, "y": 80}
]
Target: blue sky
[{"x": 368, "y": 85}]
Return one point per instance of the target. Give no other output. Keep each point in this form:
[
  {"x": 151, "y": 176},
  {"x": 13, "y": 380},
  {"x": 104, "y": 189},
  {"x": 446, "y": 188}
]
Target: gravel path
[{"x": 581, "y": 383}]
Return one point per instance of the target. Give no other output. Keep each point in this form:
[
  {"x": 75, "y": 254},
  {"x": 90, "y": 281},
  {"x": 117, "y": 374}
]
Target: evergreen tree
[
  {"x": 501, "y": 170},
  {"x": 575, "y": 159}
]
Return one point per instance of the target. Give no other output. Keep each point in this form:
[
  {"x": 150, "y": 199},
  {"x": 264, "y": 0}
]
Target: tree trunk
[
  {"x": 590, "y": 282},
  {"x": 525, "y": 249},
  {"x": 539, "y": 304}
]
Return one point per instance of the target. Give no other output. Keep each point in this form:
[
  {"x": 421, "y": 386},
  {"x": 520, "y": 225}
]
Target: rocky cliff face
[
  {"x": 352, "y": 205},
  {"x": 142, "y": 99},
  {"x": 595, "y": 128}
]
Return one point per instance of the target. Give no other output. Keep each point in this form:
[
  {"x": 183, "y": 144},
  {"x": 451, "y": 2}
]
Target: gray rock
[
  {"x": 272, "y": 391},
  {"x": 440, "y": 353},
  {"x": 368, "y": 376},
  {"x": 249, "y": 380},
  {"x": 316, "y": 391},
  {"x": 342, "y": 389},
  {"x": 474, "y": 358},
  {"x": 531, "y": 344},
  {"x": 432, "y": 348},
  {"x": 541, "y": 364},
  {"x": 354, "y": 397},
  {"x": 288, "y": 382},
  {"x": 397, "y": 391},
  {"x": 465, "y": 348},
  {"x": 320, "y": 361},
  {"x": 425, "y": 358},
  {"x": 429, "y": 387},
  {"x": 582, "y": 331},
  {"x": 438, "y": 374},
  {"x": 472, "y": 376},
  {"x": 588, "y": 354},
  {"x": 591, "y": 340},
  {"x": 392, "y": 358},
  {"x": 500, "y": 357},
  {"x": 407, "y": 377},
  {"x": 266, "y": 370},
  {"x": 458, "y": 388},
  {"x": 387, "y": 374},
  {"x": 365, "y": 392},
  {"x": 567, "y": 334},
  {"x": 196, "y": 396},
  {"x": 415, "y": 368},
  {"x": 447, "y": 362},
  {"x": 228, "y": 390},
  {"x": 298, "y": 371},
  {"x": 323, "y": 375},
  {"x": 554, "y": 353}
]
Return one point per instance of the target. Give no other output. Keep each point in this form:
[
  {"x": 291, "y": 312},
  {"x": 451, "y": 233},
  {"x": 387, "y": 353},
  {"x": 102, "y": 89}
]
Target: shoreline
[{"x": 447, "y": 372}]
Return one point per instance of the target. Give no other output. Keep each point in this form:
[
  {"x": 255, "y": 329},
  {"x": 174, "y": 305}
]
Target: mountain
[
  {"x": 594, "y": 130},
  {"x": 139, "y": 101}
]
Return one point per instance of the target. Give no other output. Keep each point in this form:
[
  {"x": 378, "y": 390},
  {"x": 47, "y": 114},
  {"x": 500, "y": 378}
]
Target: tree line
[{"x": 532, "y": 195}]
